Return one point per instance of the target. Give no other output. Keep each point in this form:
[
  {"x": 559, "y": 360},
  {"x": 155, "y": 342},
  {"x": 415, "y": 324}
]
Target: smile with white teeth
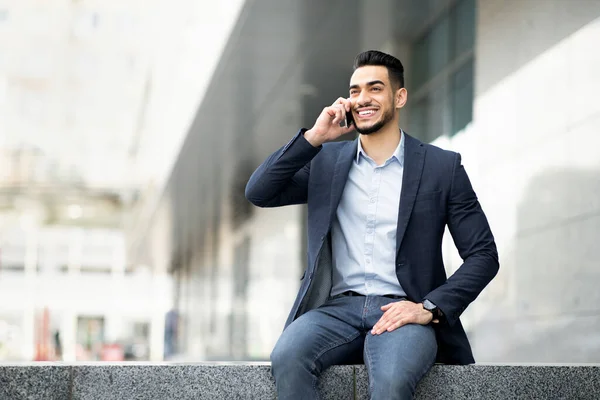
[{"x": 366, "y": 112}]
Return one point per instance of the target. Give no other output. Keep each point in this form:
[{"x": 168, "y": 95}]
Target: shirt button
[
  {"x": 372, "y": 200},
  {"x": 368, "y": 261}
]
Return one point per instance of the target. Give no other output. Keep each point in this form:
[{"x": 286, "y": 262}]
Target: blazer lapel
[
  {"x": 414, "y": 156},
  {"x": 346, "y": 155}
]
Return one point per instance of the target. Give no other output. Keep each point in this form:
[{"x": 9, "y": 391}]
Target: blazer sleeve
[
  {"x": 282, "y": 179},
  {"x": 473, "y": 238}
]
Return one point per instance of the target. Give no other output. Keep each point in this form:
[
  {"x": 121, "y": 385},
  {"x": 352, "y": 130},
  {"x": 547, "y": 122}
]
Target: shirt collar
[{"x": 398, "y": 153}]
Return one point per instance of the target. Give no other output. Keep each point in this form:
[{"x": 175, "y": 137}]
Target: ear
[{"x": 400, "y": 98}]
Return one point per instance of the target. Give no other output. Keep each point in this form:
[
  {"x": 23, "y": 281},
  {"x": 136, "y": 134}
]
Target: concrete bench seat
[{"x": 253, "y": 381}]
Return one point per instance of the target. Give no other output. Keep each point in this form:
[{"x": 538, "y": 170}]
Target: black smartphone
[{"x": 349, "y": 119}]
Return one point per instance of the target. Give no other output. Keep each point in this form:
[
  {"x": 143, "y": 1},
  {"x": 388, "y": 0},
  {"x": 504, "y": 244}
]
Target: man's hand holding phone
[{"x": 327, "y": 127}]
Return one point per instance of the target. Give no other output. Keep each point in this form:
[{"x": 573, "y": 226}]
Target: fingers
[
  {"x": 345, "y": 102},
  {"x": 335, "y": 113},
  {"x": 338, "y": 112},
  {"x": 389, "y": 323},
  {"x": 399, "y": 314},
  {"x": 395, "y": 325},
  {"x": 330, "y": 110},
  {"x": 329, "y": 124},
  {"x": 390, "y": 318}
]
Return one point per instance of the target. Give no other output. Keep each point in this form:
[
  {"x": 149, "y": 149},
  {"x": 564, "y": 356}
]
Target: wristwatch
[{"x": 429, "y": 306}]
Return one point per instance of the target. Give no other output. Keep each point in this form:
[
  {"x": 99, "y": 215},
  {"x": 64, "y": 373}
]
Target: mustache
[{"x": 359, "y": 106}]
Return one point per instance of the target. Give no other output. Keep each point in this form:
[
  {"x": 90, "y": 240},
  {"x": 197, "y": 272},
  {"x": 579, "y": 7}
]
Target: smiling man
[{"x": 375, "y": 288}]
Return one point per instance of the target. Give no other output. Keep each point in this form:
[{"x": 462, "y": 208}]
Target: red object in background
[
  {"x": 112, "y": 352},
  {"x": 42, "y": 349}
]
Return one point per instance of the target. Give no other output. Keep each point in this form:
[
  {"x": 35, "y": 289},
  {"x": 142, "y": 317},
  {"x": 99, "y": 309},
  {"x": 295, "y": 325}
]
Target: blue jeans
[{"x": 338, "y": 332}]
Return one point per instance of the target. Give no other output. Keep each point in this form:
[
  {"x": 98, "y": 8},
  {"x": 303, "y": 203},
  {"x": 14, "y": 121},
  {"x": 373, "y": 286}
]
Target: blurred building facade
[
  {"x": 511, "y": 85},
  {"x": 88, "y": 123},
  {"x": 66, "y": 294}
]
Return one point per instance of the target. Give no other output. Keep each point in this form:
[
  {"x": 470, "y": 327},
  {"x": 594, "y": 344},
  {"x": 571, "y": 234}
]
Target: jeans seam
[
  {"x": 315, "y": 384},
  {"x": 368, "y": 366},
  {"x": 333, "y": 345}
]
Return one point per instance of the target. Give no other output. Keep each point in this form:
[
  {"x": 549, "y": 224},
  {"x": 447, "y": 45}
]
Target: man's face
[{"x": 373, "y": 98}]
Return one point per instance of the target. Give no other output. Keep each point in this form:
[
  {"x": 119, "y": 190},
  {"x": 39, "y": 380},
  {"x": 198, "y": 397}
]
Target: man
[{"x": 375, "y": 287}]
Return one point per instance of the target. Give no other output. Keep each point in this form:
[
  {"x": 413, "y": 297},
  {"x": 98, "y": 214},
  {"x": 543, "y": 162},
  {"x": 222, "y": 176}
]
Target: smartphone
[{"x": 349, "y": 119}]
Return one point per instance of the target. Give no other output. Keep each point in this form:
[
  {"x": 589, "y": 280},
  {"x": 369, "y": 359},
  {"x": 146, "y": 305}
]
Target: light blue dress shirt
[{"x": 364, "y": 230}]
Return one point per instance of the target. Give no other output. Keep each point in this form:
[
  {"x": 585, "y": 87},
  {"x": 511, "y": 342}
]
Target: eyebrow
[{"x": 356, "y": 86}]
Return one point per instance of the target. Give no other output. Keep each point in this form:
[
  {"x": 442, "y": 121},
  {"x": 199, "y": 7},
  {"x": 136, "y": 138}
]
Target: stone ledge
[{"x": 253, "y": 381}]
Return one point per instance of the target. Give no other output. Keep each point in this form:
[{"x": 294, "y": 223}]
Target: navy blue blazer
[{"x": 436, "y": 192}]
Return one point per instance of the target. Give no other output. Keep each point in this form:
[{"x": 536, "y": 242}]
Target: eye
[
  {"x": 377, "y": 89},
  {"x": 353, "y": 92}
]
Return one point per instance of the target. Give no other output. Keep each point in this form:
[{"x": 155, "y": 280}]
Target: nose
[{"x": 363, "y": 99}]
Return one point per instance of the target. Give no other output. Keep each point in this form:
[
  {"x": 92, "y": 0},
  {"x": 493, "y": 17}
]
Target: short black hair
[{"x": 393, "y": 65}]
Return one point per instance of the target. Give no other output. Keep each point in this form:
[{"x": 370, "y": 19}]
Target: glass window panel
[
  {"x": 418, "y": 118},
  {"x": 419, "y": 64},
  {"x": 427, "y": 116},
  {"x": 438, "y": 106},
  {"x": 447, "y": 105},
  {"x": 464, "y": 27},
  {"x": 462, "y": 97},
  {"x": 438, "y": 47}
]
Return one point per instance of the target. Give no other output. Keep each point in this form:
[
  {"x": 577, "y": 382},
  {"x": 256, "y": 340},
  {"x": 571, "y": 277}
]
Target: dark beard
[{"x": 387, "y": 117}]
